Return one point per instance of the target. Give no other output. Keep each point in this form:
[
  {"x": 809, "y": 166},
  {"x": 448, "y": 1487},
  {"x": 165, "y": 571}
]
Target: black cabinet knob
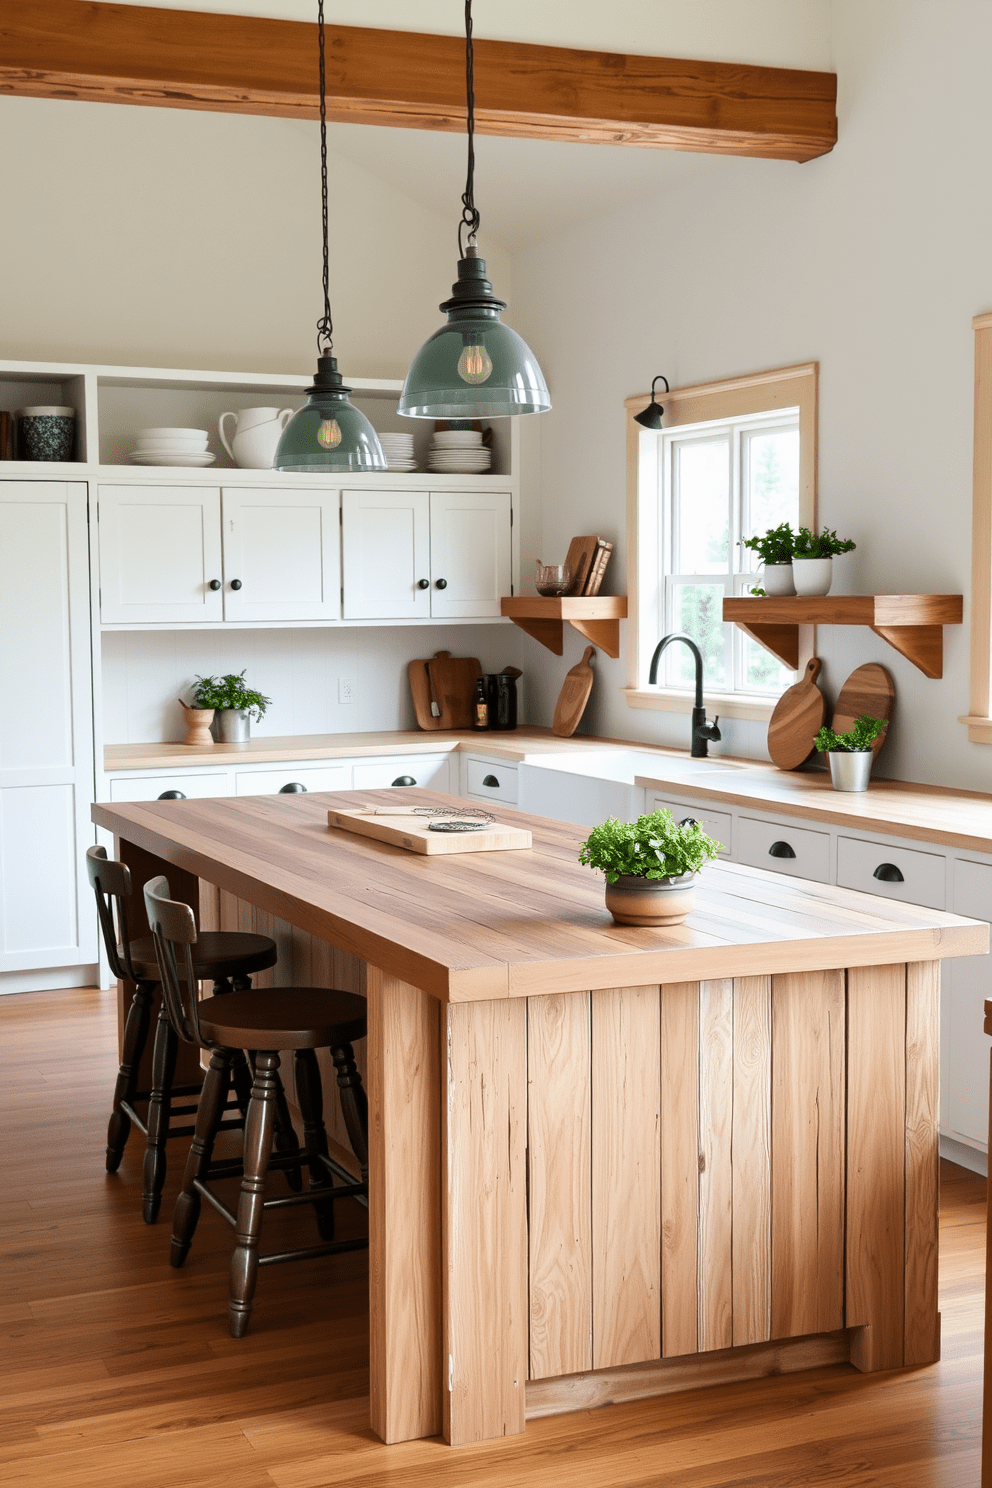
[
  {"x": 172, "y": 796},
  {"x": 235, "y": 583},
  {"x": 690, "y": 821},
  {"x": 423, "y": 583},
  {"x": 214, "y": 584},
  {"x": 404, "y": 780},
  {"x": 441, "y": 584},
  {"x": 781, "y": 850},
  {"x": 292, "y": 788},
  {"x": 491, "y": 781},
  {"x": 888, "y": 873}
]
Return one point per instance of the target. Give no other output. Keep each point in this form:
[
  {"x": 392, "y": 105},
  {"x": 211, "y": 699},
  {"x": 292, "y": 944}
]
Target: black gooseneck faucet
[{"x": 702, "y": 732}]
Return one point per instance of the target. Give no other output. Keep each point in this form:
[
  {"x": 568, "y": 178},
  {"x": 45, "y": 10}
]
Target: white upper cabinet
[
  {"x": 160, "y": 554},
  {"x": 470, "y": 552},
  {"x": 282, "y": 549},
  {"x": 387, "y": 555}
]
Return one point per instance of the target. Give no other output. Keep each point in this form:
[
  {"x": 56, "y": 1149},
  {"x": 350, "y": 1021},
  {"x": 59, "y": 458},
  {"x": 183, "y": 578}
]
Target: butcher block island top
[{"x": 519, "y": 923}]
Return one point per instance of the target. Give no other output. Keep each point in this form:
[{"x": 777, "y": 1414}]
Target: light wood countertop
[{"x": 522, "y": 923}]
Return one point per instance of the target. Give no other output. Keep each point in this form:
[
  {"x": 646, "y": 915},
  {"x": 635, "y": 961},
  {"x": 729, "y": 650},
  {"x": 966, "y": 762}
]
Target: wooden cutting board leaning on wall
[
  {"x": 870, "y": 690},
  {"x": 796, "y": 721},
  {"x": 447, "y": 682},
  {"x": 574, "y": 695}
]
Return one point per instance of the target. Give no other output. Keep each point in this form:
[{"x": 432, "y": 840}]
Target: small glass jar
[{"x": 552, "y": 579}]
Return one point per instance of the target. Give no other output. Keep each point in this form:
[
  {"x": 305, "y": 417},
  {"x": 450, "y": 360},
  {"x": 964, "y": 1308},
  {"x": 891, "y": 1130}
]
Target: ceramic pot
[
  {"x": 850, "y": 771},
  {"x": 651, "y": 901},
  {"x": 257, "y": 432},
  {"x": 777, "y": 580},
  {"x": 47, "y": 433},
  {"x": 812, "y": 575},
  {"x": 233, "y": 726},
  {"x": 197, "y": 721}
]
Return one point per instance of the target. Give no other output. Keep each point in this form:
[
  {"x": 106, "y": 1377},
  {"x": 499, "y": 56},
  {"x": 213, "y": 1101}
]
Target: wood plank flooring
[{"x": 118, "y": 1372}]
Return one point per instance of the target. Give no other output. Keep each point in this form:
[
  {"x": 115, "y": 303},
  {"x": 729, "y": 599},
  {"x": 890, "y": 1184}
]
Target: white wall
[{"x": 872, "y": 260}]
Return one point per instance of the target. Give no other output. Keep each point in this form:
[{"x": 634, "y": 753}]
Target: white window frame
[{"x": 767, "y": 394}]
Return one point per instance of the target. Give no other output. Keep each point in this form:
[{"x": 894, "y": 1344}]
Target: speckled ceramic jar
[
  {"x": 633, "y": 900},
  {"x": 46, "y": 433}
]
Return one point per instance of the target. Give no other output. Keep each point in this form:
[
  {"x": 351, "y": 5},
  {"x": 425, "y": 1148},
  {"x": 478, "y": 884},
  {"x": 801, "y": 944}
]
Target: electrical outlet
[{"x": 347, "y": 690}]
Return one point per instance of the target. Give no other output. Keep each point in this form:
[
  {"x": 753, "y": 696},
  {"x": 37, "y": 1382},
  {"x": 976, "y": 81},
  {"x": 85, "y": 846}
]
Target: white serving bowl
[
  {"x": 198, "y": 434},
  {"x": 458, "y": 437}
]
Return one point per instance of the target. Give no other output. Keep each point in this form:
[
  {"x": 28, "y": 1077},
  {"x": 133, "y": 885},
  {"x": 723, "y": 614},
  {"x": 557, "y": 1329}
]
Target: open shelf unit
[
  {"x": 598, "y": 618},
  {"x": 911, "y": 623}
]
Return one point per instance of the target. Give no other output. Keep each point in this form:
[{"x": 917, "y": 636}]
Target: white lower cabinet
[
  {"x": 288, "y": 778},
  {"x": 428, "y": 771},
  {"x": 783, "y": 848},
  {"x": 197, "y": 785},
  {"x": 489, "y": 779},
  {"x": 967, "y": 982},
  {"x": 904, "y": 873},
  {"x": 717, "y": 824}
]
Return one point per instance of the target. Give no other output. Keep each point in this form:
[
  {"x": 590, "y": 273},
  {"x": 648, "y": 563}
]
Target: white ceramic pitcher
[{"x": 256, "y": 436}]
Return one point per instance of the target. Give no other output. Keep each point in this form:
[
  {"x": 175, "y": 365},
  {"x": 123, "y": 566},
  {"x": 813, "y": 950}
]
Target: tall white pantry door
[{"x": 47, "y": 918}]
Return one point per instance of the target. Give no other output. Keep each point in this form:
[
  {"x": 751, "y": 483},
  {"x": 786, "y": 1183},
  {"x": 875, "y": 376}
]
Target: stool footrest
[
  {"x": 332, "y": 1247},
  {"x": 318, "y": 1195}
]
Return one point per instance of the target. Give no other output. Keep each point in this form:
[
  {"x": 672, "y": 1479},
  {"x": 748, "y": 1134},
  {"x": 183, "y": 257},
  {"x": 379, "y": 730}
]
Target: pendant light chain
[
  {"x": 325, "y": 326},
  {"x": 470, "y": 213}
]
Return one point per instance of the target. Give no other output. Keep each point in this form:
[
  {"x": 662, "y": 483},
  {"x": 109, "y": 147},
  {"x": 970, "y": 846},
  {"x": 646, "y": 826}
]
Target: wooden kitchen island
[{"x": 606, "y": 1161}]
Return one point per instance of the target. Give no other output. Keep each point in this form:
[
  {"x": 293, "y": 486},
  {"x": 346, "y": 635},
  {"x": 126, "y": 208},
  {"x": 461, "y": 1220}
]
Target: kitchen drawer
[
  {"x": 491, "y": 781},
  {"x": 719, "y": 824},
  {"x": 428, "y": 770},
  {"x": 270, "y": 782},
  {"x": 152, "y": 787},
  {"x": 783, "y": 848},
  {"x": 916, "y": 877},
  {"x": 972, "y": 890}
]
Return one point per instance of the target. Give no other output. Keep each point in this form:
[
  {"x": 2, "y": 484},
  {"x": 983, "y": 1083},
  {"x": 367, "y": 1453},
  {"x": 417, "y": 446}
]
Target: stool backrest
[
  {"x": 111, "y": 882},
  {"x": 174, "y": 932}
]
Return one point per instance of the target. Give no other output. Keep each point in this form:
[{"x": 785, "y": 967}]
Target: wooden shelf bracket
[
  {"x": 598, "y": 619},
  {"x": 912, "y": 624}
]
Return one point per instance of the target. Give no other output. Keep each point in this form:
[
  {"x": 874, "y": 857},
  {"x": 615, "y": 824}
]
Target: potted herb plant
[
  {"x": 850, "y": 755},
  {"x": 650, "y": 866},
  {"x": 813, "y": 559},
  {"x": 774, "y": 548},
  {"x": 235, "y": 702}
]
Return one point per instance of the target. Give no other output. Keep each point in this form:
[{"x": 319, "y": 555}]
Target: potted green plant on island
[
  {"x": 813, "y": 559},
  {"x": 650, "y": 866},
  {"x": 235, "y": 702},
  {"x": 774, "y": 548},
  {"x": 850, "y": 755}
]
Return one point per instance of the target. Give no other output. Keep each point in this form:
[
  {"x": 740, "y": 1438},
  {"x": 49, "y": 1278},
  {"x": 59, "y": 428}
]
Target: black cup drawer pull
[
  {"x": 888, "y": 873},
  {"x": 292, "y": 788},
  {"x": 491, "y": 781},
  {"x": 404, "y": 780},
  {"x": 781, "y": 850},
  {"x": 689, "y": 821},
  {"x": 172, "y": 796}
]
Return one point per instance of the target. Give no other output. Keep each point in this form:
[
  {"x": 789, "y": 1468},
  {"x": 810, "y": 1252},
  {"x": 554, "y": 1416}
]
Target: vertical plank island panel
[
  {"x": 626, "y": 1176},
  {"x": 679, "y": 1167},
  {"x": 808, "y": 1054},
  {"x": 484, "y": 1220},
  {"x": 404, "y": 1226},
  {"x": 876, "y": 1164},
  {"x": 716, "y": 1159},
  {"x": 560, "y": 1212},
  {"x": 752, "y": 1244},
  {"x": 922, "y": 1343}
]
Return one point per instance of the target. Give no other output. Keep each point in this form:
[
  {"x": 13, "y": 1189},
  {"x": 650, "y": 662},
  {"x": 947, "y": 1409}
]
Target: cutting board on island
[
  {"x": 413, "y": 832},
  {"x": 796, "y": 721},
  {"x": 449, "y": 681},
  {"x": 574, "y": 695},
  {"x": 869, "y": 689}
]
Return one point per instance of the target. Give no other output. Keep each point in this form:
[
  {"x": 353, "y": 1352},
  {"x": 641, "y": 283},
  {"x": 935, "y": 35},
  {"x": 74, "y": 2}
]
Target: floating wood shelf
[
  {"x": 598, "y": 619},
  {"x": 911, "y": 623}
]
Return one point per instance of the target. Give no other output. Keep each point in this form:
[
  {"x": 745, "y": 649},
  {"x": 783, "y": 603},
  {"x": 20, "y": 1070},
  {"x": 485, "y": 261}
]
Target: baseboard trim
[
  {"x": 598, "y": 1387},
  {"x": 55, "y": 979},
  {"x": 966, "y": 1156}
]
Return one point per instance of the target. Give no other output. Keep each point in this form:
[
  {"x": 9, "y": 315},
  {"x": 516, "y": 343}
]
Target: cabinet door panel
[
  {"x": 386, "y": 546},
  {"x": 159, "y": 553},
  {"x": 470, "y": 552},
  {"x": 964, "y": 988},
  {"x": 284, "y": 549}
]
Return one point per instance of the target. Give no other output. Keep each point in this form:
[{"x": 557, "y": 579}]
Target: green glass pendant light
[
  {"x": 327, "y": 433},
  {"x": 473, "y": 367}
]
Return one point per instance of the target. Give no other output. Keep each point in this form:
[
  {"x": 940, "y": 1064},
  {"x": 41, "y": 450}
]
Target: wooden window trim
[
  {"x": 733, "y": 397},
  {"x": 977, "y": 718}
]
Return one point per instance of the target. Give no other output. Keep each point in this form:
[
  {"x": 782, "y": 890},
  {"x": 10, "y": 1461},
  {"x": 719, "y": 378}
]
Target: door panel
[
  {"x": 284, "y": 549},
  {"x": 386, "y": 547},
  {"x": 159, "y": 553},
  {"x": 470, "y": 552}
]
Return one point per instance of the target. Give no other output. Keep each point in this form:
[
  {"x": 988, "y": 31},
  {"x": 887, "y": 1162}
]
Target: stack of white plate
[
  {"x": 458, "y": 452},
  {"x": 398, "y": 450},
  {"x": 172, "y": 447}
]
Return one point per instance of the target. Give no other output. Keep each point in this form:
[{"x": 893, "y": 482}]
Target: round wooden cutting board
[
  {"x": 870, "y": 689},
  {"x": 796, "y": 721}
]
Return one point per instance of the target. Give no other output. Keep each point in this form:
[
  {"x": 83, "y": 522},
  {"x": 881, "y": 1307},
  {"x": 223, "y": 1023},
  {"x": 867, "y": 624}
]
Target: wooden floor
[{"x": 118, "y": 1372}]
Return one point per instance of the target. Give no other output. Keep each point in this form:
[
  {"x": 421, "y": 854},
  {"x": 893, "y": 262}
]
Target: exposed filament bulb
[
  {"x": 329, "y": 433},
  {"x": 475, "y": 364}
]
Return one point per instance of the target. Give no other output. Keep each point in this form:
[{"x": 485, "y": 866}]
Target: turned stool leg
[
  {"x": 354, "y": 1104},
  {"x": 159, "y": 1111},
  {"x": 208, "y": 1119},
  {"x": 135, "y": 1039},
  {"x": 287, "y": 1142},
  {"x": 258, "y": 1148},
  {"x": 310, "y": 1094}
]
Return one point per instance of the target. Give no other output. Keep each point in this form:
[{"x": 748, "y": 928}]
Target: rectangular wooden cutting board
[{"x": 412, "y": 832}]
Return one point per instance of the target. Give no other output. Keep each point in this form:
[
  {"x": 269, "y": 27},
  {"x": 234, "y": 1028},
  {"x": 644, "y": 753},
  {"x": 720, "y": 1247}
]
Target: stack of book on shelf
[
  {"x": 7, "y": 433},
  {"x": 586, "y": 561}
]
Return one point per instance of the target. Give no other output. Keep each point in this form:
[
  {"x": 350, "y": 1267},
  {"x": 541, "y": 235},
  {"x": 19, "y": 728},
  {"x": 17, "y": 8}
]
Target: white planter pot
[
  {"x": 778, "y": 581},
  {"x": 850, "y": 771},
  {"x": 812, "y": 575}
]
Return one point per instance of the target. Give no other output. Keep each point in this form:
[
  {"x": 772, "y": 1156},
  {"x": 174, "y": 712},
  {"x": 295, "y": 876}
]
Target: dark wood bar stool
[
  {"x": 300, "y": 1019},
  {"x": 225, "y": 958}
]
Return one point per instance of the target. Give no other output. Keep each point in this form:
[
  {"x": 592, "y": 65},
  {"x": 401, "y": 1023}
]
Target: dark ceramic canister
[
  {"x": 502, "y": 689},
  {"x": 46, "y": 433}
]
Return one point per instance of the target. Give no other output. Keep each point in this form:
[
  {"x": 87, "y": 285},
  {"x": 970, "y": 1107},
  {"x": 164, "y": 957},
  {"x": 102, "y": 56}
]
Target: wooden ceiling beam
[{"x": 110, "y": 53}]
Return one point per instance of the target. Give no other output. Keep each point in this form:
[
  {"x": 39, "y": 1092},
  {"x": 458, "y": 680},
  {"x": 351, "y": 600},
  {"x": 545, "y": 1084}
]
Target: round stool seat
[
  {"x": 283, "y": 1018},
  {"x": 216, "y": 954}
]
